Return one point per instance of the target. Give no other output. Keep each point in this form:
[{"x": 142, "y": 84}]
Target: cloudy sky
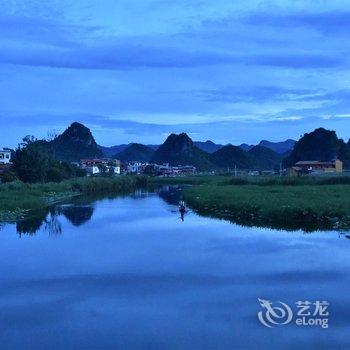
[{"x": 137, "y": 70}]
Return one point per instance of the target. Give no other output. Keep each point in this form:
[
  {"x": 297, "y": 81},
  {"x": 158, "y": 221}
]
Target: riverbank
[
  {"x": 190, "y": 180},
  {"x": 17, "y": 199},
  {"x": 308, "y": 203},
  {"x": 289, "y": 203}
]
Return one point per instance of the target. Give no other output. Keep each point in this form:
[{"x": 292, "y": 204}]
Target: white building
[
  {"x": 92, "y": 170},
  {"x": 93, "y": 166},
  {"x": 5, "y": 156},
  {"x": 134, "y": 167},
  {"x": 114, "y": 169}
]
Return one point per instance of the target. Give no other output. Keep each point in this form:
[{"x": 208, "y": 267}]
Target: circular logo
[{"x": 272, "y": 315}]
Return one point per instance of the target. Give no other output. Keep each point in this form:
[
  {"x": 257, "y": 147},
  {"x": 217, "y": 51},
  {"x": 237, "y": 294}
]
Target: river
[{"x": 128, "y": 273}]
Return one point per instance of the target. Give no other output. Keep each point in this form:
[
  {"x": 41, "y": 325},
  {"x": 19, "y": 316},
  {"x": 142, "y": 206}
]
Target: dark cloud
[
  {"x": 123, "y": 56},
  {"x": 257, "y": 94},
  {"x": 32, "y": 30},
  {"x": 298, "y": 61},
  {"x": 119, "y": 56},
  {"x": 109, "y": 131},
  {"x": 325, "y": 22},
  {"x": 192, "y": 62},
  {"x": 137, "y": 129}
]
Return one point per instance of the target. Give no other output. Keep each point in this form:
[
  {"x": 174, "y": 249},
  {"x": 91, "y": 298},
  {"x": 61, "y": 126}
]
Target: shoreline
[
  {"x": 18, "y": 199},
  {"x": 307, "y": 208},
  {"x": 281, "y": 203}
]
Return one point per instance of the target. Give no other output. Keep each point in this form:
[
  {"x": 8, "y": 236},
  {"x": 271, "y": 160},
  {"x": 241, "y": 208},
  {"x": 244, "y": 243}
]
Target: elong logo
[
  {"x": 274, "y": 315},
  {"x": 308, "y": 313}
]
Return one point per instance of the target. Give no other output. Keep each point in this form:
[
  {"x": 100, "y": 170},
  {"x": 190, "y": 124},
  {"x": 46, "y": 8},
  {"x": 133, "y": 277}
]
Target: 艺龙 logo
[
  {"x": 307, "y": 314},
  {"x": 274, "y": 315}
]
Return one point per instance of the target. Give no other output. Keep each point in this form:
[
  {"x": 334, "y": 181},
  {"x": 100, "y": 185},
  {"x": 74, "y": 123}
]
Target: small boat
[
  {"x": 182, "y": 207},
  {"x": 182, "y": 210}
]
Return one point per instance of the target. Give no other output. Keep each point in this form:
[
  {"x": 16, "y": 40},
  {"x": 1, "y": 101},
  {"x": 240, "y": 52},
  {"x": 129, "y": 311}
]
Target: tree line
[{"x": 32, "y": 162}]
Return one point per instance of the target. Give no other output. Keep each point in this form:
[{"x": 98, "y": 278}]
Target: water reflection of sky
[{"x": 134, "y": 275}]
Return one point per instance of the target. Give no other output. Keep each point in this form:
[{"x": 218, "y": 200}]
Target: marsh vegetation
[
  {"x": 18, "y": 198},
  {"x": 277, "y": 202}
]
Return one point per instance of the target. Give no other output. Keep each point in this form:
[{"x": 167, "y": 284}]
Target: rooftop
[
  {"x": 314, "y": 162},
  {"x": 93, "y": 160}
]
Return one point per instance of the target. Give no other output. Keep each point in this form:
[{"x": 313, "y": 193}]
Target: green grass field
[
  {"x": 308, "y": 203},
  {"x": 17, "y": 198},
  {"x": 297, "y": 206},
  {"x": 191, "y": 180}
]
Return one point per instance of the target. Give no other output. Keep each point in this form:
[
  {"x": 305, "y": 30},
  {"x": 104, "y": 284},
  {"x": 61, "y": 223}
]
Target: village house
[
  {"x": 115, "y": 166},
  {"x": 164, "y": 169},
  {"x": 184, "y": 169},
  {"x": 5, "y": 160},
  {"x": 314, "y": 166},
  {"x": 167, "y": 170},
  {"x": 96, "y": 166},
  {"x": 135, "y": 167},
  {"x": 91, "y": 166},
  {"x": 5, "y": 156}
]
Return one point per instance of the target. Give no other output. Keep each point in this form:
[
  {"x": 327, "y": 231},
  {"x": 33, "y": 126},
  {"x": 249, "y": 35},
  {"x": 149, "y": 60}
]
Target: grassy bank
[
  {"x": 290, "y": 180},
  {"x": 17, "y": 198},
  {"x": 191, "y": 180},
  {"x": 308, "y": 203},
  {"x": 294, "y": 205},
  {"x": 268, "y": 180}
]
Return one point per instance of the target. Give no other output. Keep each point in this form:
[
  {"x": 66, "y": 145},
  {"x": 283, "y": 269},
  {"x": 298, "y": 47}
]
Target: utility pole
[{"x": 235, "y": 170}]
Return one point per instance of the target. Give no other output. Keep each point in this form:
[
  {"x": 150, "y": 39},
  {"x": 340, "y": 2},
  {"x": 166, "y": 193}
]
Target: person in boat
[
  {"x": 182, "y": 207},
  {"x": 182, "y": 210}
]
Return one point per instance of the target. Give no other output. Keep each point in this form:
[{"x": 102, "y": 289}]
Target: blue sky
[{"x": 137, "y": 70}]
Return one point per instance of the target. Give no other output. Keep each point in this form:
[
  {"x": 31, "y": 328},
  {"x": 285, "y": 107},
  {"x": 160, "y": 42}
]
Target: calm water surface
[{"x": 128, "y": 273}]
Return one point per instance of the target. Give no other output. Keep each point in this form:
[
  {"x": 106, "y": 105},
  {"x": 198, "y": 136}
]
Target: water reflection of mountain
[
  {"x": 48, "y": 219},
  {"x": 33, "y": 223},
  {"x": 78, "y": 215}
]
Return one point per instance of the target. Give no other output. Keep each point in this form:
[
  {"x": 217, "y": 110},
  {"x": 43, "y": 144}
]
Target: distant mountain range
[
  {"x": 181, "y": 150},
  {"x": 245, "y": 147},
  {"x": 231, "y": 156},
  {"x": 265, "y": 158},
  {"x": 113, "y": 150},
  {"x": 211, "y": 147},
  {"x": 135, "y": 151},
  {"x": 207, "y": 146},
  {"x": 278, "y": 147},
  {"x": 257, "y": 158},
  {"x": 77, "y": 142}
]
